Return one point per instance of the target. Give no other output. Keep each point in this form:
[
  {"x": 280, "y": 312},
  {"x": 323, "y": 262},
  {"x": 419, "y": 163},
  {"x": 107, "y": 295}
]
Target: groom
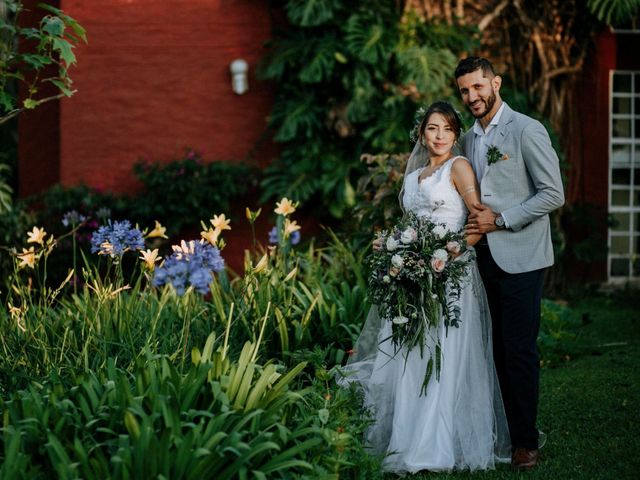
[{"x": 520, "y": 183}]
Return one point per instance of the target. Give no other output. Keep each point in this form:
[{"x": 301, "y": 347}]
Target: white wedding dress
[{"x": 460, "y": 422}]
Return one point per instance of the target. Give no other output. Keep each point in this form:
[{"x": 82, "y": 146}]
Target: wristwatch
[{"x": 499, "y": 221}]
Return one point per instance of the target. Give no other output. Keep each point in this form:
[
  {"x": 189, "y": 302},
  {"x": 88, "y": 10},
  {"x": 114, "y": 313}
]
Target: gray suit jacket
[{"x": 525, "y": 186}]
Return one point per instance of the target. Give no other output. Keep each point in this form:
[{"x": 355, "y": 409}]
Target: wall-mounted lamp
[{"x": 239, "y": 80}]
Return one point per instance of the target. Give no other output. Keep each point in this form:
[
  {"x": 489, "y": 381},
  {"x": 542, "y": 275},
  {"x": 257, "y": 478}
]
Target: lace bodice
[{"x": 435, "y": 197}]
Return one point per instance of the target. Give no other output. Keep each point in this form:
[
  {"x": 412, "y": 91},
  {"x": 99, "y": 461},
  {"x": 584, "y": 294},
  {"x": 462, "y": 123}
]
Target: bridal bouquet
[{"x": 416, "y": 279}]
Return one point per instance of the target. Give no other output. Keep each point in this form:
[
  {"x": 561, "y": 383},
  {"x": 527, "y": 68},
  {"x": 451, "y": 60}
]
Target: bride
[{"x": 459, "y": 422}]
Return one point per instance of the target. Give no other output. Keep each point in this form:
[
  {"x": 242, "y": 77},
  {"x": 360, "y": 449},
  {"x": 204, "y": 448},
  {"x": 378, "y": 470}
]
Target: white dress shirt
[{"x": 482, "y": 140}]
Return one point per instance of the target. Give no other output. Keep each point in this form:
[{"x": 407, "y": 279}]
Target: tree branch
[
  {"x": 487, "y": 19},
  {"x": 14, "y": 113}
]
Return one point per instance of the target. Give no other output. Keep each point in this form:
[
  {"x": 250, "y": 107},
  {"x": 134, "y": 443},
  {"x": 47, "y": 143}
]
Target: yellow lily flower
[
  {"x": 158, "y": 231},
  {"x": 150, "y": 257},
  {"x": 220, "y": 222},
  {"x": 290, "y": 227},
  {"x": 17, "y": 314},
  {"x": 27, "y": 258},
  {"x": 252, "y": 216},
  {"x": 262, "y": 264},
  {"x": 36, "y": 235},
  {"x": 285, "y": 207},
  {"x": 211, "y": 235}
]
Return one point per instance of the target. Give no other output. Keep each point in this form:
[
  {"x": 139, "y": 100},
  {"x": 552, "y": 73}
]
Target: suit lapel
[
  {"x": 501, "y": 134},
  {"x": 503, "y": 127}
]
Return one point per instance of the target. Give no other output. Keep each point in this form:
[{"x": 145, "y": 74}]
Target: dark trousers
[{"x": 514, "y": 302}]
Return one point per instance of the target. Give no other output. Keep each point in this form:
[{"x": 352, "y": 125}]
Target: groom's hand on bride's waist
[{"x": 481, "y": 220}]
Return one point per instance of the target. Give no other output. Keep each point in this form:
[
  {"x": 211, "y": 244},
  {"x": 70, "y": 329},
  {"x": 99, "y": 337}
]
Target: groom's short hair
[{"x": 471, "y": 64}]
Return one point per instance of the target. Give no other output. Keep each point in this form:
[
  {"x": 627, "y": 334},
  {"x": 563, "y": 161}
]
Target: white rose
[
  {"x": 439, "y": 231},
  {"x": 392, "y": 244},
  {"x": 400, "y": 320},
  {"x": 441, "y": 254},
  {"x": 453, "y": 246},
  {"x": 397, "y": 261},
  {"x": 408, "y": 236}
]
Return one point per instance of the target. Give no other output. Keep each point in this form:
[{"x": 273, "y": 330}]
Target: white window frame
[{"x": 633, "y": 231}]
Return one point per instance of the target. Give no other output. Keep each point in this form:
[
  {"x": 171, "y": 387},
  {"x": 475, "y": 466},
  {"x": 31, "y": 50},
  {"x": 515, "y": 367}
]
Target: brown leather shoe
[{"x": 524, "y": 459}]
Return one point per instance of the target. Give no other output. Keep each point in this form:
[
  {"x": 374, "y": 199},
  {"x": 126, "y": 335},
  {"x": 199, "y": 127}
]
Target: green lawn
[{"x": 589, "y": 405}]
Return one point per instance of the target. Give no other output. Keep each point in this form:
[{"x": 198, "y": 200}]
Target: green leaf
[
  {"x": 54, "y": 26},
  {"x": 323, "y": 415},
  {"x": 65, "y": 49},
  {"x": 429, "y": 69},
  {"x": 340, "y": 57},
  {"x": 309, "y": 13},
  {"x": 61, "y": 86},
  {"x": 36, "y": 61},
  {"x": 368, "y": 38},
  {"x": 30, "y": 103}
]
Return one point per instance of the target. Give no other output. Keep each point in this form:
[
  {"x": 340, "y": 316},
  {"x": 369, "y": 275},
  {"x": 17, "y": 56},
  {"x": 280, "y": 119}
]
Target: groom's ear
[{"x": 496, "y": 82}]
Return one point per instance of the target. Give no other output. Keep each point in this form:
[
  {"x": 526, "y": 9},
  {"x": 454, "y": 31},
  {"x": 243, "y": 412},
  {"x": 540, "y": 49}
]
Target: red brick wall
[{"x": 154, "y": 80}]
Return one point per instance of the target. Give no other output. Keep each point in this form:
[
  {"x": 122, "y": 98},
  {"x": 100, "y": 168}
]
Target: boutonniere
[{"x": 493, "y": 155}]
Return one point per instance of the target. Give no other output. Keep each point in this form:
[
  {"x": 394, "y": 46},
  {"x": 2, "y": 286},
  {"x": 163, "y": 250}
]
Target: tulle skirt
[{"x": 459, "y": 423}]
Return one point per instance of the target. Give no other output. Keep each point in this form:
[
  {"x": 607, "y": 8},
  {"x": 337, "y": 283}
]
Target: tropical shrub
[
  {"x": 349, "y": 78},
  {"x": 182, "y": 192},
  {"x": 178, "y": 194}
]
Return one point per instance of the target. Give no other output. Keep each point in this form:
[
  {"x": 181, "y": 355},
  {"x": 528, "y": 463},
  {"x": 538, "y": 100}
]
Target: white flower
[
  {"x": 397, "y": 261},
  {"x": 437, "y": 264},
  {"x": 408, "y": 236},
  {"x": 400, "y": 320},
  {"x": 386, "y": 279},
  {"x": 453, "y": 246},
  {"x": 392, "y": 244},
  {"x": 440, "y": 254},
  {"x": 439, "y": 231}
]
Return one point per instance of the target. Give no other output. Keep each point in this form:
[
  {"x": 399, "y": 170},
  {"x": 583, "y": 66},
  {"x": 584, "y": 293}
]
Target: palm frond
[{"x": 614, "y": 12}]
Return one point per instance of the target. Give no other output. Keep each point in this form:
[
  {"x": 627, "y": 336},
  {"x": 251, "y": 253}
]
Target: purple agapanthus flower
[
  {"x": 191, "y": 264},
  {"x": 294, "y": 238},
  {"x": 115, "y": 238},
  {"x": 72, "y": 217},
  {"x": 273, "y": 236}
]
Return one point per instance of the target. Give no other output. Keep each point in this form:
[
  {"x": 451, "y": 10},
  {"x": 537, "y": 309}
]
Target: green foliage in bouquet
[
  {"x": 349, "y": 76},
  {"x": 417, "y": 270}
]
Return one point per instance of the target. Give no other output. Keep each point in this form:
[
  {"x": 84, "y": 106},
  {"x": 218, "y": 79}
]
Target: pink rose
[
  {"x": 437, "y": 264},
  {"x": 394, "y": 271},
  {"x": 453, "y": 247}
]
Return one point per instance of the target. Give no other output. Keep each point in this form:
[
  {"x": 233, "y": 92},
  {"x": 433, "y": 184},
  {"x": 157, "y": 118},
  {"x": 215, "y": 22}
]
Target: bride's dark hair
[{"x": 448, "y": 112}]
